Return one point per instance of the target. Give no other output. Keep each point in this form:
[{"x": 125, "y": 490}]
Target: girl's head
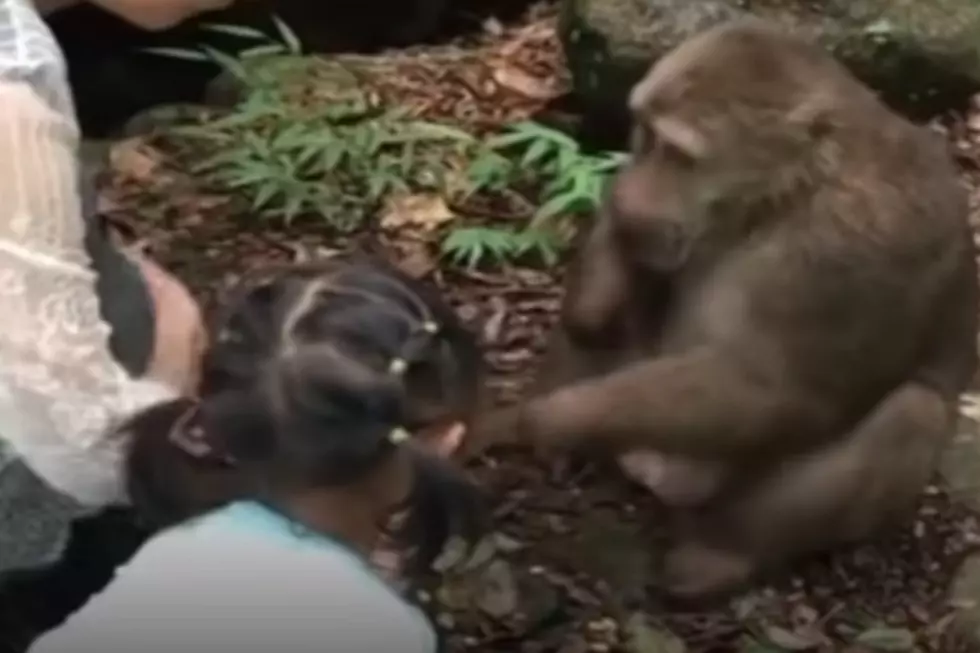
[{"x": 337, "y": 382}]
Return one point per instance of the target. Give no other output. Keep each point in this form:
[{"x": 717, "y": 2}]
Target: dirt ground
[{"x": 578, "y": 542}]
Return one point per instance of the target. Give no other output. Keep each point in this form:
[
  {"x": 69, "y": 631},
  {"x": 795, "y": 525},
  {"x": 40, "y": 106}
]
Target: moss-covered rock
[{"x": 921, "y": 55}]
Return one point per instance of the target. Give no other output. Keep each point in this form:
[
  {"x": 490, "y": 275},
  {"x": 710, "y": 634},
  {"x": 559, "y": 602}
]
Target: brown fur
[{"x": 774, "y": 316}]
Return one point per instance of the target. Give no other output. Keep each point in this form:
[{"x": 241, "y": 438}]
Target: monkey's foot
[{"x": 694, "y": 571}]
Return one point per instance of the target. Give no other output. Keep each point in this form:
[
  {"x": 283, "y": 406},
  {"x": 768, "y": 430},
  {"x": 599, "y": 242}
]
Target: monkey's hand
[
  {"x": 599, "y": 286},
  {"x": 499, "y": 427}
]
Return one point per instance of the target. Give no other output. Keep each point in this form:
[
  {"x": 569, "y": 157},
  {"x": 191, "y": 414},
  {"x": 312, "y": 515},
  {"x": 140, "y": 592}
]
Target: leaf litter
[{"x": 573, "y": 568}]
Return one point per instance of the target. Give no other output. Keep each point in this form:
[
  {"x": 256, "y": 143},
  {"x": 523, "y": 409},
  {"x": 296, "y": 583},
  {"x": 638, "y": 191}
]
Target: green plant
[
  {"x": 564, "y": 180},
  {"x": 471, "y": 246},
  {"x": 340, "y": 161},
  {"x": 287, "y": 43},
  {"x": 336, "y": 161},
  {"x": 569, "y": 181}
]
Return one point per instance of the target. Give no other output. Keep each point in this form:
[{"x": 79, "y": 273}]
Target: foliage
[
  {"x": 571, "y": 181},
  {"x": 337, "y": 162},
  {"x": 342, "y": 160},
  {"x": 287, "y": 44},
  {"x": 471, "y": 246},
  {"x": 567, "y": 181}
]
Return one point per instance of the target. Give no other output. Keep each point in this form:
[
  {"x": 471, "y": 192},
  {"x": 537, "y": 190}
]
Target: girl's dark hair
[{"x": 310, "y": 371}]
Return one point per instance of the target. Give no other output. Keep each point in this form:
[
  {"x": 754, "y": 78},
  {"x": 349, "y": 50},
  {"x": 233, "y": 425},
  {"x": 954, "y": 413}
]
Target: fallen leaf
[
  {"x": 414, "y": 257},
  {"x": 527, "y": 85},
  {"x": 793, "y": 640},
  {"x": 804, "y": 615},
  {"x": 887, "y": 639},
  {"x": 135, "y": 160},
  {"x": 745, "y": 606},
  {"x": 506, "y": 543},
  {"x": 497, "y": 596},
  {"x": 641, "y": 638},
  {"x": 494, "y": 326},
  {"x": 305, "y": 253},
  {"x": 493, "y": 26},
  {"x": 424, "y": 212},
  {"x": 453, "y": 554}
]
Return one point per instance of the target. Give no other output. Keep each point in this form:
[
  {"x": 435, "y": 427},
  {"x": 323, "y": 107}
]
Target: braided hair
[{"x": 316, "y": 373}]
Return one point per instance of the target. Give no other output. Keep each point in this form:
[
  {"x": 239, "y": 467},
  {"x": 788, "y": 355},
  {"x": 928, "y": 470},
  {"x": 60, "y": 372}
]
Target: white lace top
[{"x": 60, "y": 388}]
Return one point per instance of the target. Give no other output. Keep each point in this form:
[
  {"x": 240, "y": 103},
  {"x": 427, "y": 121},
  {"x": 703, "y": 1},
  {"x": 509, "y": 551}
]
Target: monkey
[{"x": 773, "y": 316}]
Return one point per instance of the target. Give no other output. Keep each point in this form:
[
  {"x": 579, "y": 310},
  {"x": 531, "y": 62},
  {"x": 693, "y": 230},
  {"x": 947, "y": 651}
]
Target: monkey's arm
[
  {"x": 700, "y": 405},
  {"x": 598, "y": 288}
]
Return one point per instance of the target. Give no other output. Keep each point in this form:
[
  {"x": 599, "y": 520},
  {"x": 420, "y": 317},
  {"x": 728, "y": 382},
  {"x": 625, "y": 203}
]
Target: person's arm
[
  {"x": 148, "y": 14},
  {"x": 60, "y": 389}
]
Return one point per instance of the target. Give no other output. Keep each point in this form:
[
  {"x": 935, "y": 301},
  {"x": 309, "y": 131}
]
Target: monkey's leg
[
  {"x": 677, "y": 482},
  {"x": 842, "y": 494}
]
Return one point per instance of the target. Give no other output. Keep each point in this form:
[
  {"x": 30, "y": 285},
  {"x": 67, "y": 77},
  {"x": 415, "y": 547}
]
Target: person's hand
[
  {"x": 181, "y": 336},
  {"x": 159, "y": 14}
]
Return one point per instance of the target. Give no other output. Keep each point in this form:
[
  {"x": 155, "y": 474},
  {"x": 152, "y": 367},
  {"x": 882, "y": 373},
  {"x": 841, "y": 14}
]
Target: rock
[{"x": 920, "y": 56}]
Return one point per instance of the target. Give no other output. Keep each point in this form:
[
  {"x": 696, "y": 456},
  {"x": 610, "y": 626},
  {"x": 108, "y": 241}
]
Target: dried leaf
[
  {"x": 505, "y": 543},
  {"x": 414, "y": 258},
  {"x": 641, "y": 638},
  {"x": 453, "y": 554},
  {"x": 424, "y": 212},
  {"x": 805, "y": 615},
  {"x": 515, "y": 79},
  {"x": 792, "y": 640},
  {"x": 887, "y": 639},
  {"x": 497, "y": 595},
  {"x": 973, "y": 122},
  {"x": 494, "y": 326},
  {"x": 135, "y": 160},
  {"x": 493, "y": 26}
]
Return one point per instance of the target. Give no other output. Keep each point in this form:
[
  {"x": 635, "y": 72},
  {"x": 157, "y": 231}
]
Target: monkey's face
[
  {"x": 654, "y": 221},
  {"x": 721, "y": 125},
  {"x": 661, "y": 203}
]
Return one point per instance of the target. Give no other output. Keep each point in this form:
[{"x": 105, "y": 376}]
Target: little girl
[{"x": 297, "y": 463}]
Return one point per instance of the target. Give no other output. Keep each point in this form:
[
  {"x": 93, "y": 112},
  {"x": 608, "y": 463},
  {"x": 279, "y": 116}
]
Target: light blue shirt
[{"x": 238, "y": 580}]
